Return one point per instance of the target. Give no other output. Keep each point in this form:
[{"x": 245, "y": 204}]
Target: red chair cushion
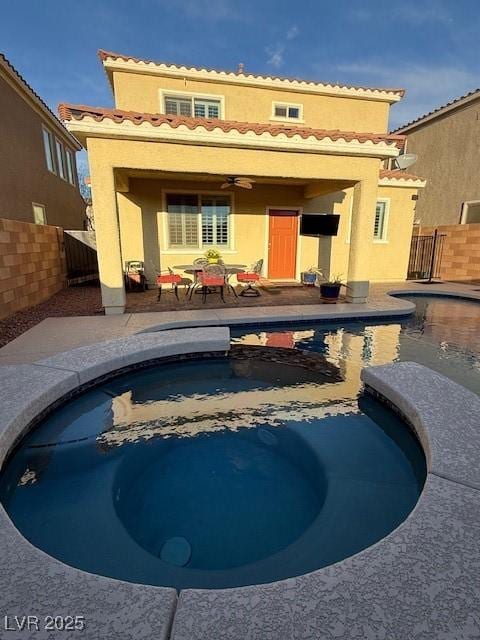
[
  {"x": 212, "y": 281},
  {"x": 169, "y": 278},
  {"x": 248, "y": 277}
]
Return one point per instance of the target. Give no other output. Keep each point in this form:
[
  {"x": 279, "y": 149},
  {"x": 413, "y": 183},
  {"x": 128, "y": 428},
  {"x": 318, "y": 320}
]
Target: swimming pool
[
  {"x": 443, "y": 334},
  {"x": 233, "y": 471}
]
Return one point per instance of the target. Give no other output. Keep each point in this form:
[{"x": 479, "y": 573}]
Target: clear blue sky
[{"x": 429, "y": 47}]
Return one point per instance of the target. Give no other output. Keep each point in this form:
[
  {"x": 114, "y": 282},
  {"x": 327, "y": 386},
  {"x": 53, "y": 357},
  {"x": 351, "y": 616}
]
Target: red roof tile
[
  {"x": 397, "y": 174},
  {"x": 78, "y": 112},
  {"x": 104, "y": 55}
]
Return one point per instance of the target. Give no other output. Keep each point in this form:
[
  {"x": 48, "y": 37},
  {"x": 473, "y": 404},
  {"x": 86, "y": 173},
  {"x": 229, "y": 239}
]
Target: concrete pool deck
[
  {"x": 420, "y": 582},
  {"x": 55, "y": 335}
]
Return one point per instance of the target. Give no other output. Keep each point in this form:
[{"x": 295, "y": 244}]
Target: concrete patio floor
[
  {"x": 57, "y": 334},
  {"x": 271, "y": 294}
]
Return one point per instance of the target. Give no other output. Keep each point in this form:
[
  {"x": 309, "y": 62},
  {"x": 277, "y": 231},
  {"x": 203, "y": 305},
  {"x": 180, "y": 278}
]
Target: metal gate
[
  {"x": 425, "y": 257},
  {"x": 81, "y": 256}
]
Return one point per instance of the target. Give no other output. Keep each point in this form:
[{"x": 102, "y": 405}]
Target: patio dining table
[
  {"x": 230, "y": 270},
  {"x": 191, "y": 268}
]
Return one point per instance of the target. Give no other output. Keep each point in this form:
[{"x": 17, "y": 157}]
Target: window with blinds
[
  {"x": 215, "y": 212},
  {"x": 195, "y": 221},
  {"x": 190, "y": 106},
  {"x": 380, "y": 227}
]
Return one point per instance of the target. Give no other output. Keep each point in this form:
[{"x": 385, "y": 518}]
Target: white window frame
[
  {"x": 182, "y": 250},
  {"x": 70, "y": 166},
  {"x": 61, "y": 161},
  {"x": 44, "y": 209},
  {"x": 287, "y": 118},
  {"x": 384, "y": 238},
  {"x": 188, "y": 95},
  {"x": 51, "y": 147},
  {"x": 465, "y": 206}
]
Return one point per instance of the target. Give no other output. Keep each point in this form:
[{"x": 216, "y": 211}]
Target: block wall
[
  {"x": 461, "y": 251},
  {"x": 32, "y": 264}
]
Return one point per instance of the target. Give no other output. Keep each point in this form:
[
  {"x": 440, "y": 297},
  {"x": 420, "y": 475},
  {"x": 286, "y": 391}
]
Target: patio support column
[
  {"x": 361, "y": 239},
  {"x": 107, "y": 234}
]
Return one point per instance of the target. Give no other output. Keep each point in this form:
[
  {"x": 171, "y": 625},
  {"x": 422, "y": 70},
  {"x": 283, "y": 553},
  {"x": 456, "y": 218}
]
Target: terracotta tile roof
[
  {"x": 439, "y": 110},
  {"x": 10, "y": 70},
  {"x": 104, "y": 55},
  {"x": 398, "y": 174},
  {"x": 78, "y": 112}
]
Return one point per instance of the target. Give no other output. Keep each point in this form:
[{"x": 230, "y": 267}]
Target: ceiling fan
[{"x": 237, "y": 181}]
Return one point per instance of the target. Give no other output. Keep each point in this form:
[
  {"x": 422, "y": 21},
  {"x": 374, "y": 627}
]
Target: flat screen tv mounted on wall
[{"x": 319, "y": 224}]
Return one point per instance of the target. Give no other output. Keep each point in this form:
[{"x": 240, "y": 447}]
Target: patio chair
[
  {"x": 213, "y": 275},
  {"x": 168, "y": 276},
  {"x": 251, "y": 278},
  {"x": 200, "y": 263}
]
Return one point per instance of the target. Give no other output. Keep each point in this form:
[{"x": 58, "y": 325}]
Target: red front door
[{"x": 282, "y": 245}]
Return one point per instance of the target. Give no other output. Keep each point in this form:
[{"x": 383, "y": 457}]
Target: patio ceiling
[{"x": 312, "y": 188}]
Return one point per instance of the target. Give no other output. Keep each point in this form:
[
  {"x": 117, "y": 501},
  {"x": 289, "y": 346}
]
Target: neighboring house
[
  {"x": 38, "y": 177},
  {"x": 159, "y": 159},
  {"x": 447, "y": 141}
]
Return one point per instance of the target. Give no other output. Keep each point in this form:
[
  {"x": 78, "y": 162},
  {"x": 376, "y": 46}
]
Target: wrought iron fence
[{"x": 425, "y": 257}]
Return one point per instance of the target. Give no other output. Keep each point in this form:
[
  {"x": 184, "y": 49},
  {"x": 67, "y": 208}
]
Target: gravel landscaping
[{"x": 74, "y": 301}]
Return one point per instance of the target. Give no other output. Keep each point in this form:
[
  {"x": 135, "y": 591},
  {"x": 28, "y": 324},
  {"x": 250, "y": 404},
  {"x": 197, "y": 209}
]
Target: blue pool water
[{"x": 227, "y": 472}]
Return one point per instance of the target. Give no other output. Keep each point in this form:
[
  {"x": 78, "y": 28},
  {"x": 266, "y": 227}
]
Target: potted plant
[
  {"x": 309, "y": 277},
  {"x": 213, "y": 255},
  {"x": 330, "y": 288}
]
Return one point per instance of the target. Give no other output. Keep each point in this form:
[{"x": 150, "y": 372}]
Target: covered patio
[{"x": 163, "y": 203}]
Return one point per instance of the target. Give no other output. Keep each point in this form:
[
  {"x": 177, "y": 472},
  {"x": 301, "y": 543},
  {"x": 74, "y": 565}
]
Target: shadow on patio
[{"x": 271, "y": 294}]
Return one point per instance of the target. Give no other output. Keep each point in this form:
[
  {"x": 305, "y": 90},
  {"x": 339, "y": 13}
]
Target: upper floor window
[
  {"x": 285, "y": 111},
  {"x": 49, "y": 149},
  {"x": 381, "y": 221},
  {"x": 70, "y": 166},
  {"x": 196, "y": 221},
  {"x": 191, "y": 106},
  {"x": 61, "y": 163}
]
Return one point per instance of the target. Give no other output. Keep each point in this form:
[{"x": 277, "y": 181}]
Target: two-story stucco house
[
  {"x": 38, "y": 176},
  {"x": 447, "y": 142},
  {"x": 159, "y": 159}
]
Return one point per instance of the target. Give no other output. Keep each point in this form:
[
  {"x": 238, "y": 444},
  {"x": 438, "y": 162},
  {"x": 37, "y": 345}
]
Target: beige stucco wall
[
  {"x": 448, "y": 150},
  {"x": 137, "y": 92},
  {"x": 388, "y": 260},
  {"x": 24, "y": 177}
]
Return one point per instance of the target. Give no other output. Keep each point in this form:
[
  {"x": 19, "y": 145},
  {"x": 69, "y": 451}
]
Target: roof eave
[
  {"x": 455, "y": 105},
  {"x": 25, "y": 89},
  {"x": 113, "y": 61},
  {"x": 89, "y": 127}
]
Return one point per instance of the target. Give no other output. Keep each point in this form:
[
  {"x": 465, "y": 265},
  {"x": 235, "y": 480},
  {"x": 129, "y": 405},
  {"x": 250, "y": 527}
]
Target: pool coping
[{"x": 391, "y": 589}]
